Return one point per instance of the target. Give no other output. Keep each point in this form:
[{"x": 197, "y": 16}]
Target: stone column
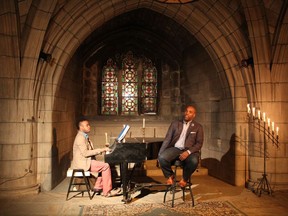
[{"x": 17, "y": 124}]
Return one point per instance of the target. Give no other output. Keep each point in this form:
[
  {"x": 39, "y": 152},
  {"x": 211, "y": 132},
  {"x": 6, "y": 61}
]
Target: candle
[
  {"x": 259, "y": 114},
  {"x": 253, "y": 111},
  {"x": 106, "y": 138},
  {"x": 268, "y": 119},
  {"x": 264, "y": 116},
  {"x": 248, "y": 108},
  {"x": 143, "y": 126},
  {"x": 272, "y": 126},
  {"x": 277, "y": 130}
]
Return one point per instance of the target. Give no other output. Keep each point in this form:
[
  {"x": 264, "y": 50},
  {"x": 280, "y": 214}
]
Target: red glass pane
[{"x": 109, "y": 101}]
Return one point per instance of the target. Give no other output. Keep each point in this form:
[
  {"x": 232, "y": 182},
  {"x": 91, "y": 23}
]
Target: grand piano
[{"x": 134, "y": 150}]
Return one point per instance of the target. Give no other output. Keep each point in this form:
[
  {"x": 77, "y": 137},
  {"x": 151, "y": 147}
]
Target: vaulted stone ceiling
[{"x": 142, "y": 29}]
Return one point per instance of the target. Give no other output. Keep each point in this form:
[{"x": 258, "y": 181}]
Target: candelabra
[
  {"x": 143, "y": 134},
  {"x": 268, "y": 135}
]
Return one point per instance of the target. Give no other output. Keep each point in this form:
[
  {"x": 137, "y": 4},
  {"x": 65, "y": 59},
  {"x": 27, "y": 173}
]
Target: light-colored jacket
[{"x": 82, "y": 152}]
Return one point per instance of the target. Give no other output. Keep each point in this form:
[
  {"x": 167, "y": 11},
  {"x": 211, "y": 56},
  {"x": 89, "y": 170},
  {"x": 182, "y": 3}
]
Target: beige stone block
[
  {"x": 46, "y": 89},
  {"x": 7, "y": 109},
  {"x": 47, "y": 102},
  {"x": 7, "y": 88},
  {"x": 72, "y": 45},
  {"x": 6, "y": 69},
  {"x": 22, "y": 166},
  {"x": 256, "y": 164},
  {"x": 8, "y": 23},
  {"x": 28, "y": 67},
  {"x": 45, "y": 179},
  {"x": 60, "y": 104},
  {"x": 84, "y": 31},
  {"x": 258, "y": 25},
  {"x": 240, "y": 163},
  {"x": 38, "y": 22},
  {"x": 21, "y": 180},
  {"x": 64, "y": 146},
  {"x": 17, "y": 152},
  {"x": 30, "y": 134},
  {"x": 281, "y": 54},
  {"x": 263, "y": 56},
  {"x": 44, "y": 150},
  {"x": 34, "y": 39},
  {"x": 45, "y": 116},
  {"x": 24, "y": 110},
  {"x": 26, "y": 89},
  {"x": 44, "y": 165},
  {"x": 45, "y": 133},
  {"x": 58, "y": 73},
  {"x": 24, "y": 6},
  {"x": 278, "y": 165},
  {"x": 213, "y": 154},
  {"x": 241, "y": 147},
  {"x": 9, "y": 46},
  {"x": 12, "y": 133},
  {"x": 280, "y": 91},
  {"x": 240, "y": 178},
  {"x": 279, "y": 179}
]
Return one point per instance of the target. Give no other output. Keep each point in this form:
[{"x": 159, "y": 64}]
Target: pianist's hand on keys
[{"x": 107, "y": 150}]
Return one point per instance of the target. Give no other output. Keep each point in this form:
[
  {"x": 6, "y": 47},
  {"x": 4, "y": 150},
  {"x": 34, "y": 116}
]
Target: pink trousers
[{"x": 104, "y": 181}]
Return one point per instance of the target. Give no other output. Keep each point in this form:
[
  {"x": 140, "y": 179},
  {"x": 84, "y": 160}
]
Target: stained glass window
[
  {"x": 149, "y": 88},
  {"x": 136, "y": 91},
  {"x": 129, "y": 86},
  {"x": 109, "y": 89}
]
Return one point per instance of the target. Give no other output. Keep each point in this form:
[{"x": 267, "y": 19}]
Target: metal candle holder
[{"x": 258, "y": 123}]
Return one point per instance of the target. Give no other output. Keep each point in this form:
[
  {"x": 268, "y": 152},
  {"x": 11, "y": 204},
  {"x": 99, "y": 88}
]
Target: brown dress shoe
[
  {"x": 182, "y": 183},
  {"x": 170, "y": 180}
]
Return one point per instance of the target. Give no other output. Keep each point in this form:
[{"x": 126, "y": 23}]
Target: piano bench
[
  {"x": 79, "y": 182},
  {"x": 173, "y": 188}
]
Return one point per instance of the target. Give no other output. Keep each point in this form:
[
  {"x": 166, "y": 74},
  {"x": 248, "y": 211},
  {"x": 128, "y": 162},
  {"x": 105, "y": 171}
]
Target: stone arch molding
[{"x": 77, "y": 19}]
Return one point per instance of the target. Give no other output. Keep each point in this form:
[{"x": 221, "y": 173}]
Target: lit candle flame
[
  {"x": 264, "y": 116},
  {"x": 248, "y": 108},
  {"x": 277, "y": 130}
]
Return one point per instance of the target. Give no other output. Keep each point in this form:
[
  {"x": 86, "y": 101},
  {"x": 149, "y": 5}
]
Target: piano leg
[{"x": 124, "y": 172}]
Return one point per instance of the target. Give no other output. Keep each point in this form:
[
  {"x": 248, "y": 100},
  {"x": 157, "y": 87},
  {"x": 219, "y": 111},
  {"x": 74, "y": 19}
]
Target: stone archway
[
  {"x": 228, "y": 33},
  {"x": 225, "y": 53}
]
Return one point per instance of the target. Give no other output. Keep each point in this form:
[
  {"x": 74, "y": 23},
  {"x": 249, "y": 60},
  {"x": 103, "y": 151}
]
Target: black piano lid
[{"x": 134, "y": 150}]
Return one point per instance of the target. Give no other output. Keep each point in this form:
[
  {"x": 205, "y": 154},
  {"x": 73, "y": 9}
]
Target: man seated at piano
[
  {"x": 84, "y": 157},
  {"x": 183, "y": 141}
]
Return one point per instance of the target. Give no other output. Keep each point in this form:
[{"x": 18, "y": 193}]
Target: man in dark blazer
[{"x": 183, "y": 141}]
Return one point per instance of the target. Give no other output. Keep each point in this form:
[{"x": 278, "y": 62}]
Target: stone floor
[{"x": 206, "y": 188}]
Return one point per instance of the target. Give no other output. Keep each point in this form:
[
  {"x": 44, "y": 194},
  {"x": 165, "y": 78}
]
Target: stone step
[
  {"x": 150, "y": 169},
  {"x": 158, "y": 172}
]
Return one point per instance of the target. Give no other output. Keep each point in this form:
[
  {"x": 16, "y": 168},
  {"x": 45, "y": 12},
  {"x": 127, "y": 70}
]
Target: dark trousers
[{"x": 167, "y": 157}]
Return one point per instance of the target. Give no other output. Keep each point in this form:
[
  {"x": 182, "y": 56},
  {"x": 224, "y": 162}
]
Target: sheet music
[{"x": 123, "y": 133}]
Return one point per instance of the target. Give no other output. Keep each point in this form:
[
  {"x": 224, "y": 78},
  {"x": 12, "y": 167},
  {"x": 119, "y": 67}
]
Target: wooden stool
[
  {"x": 173, "y": 188},
  {"x": 77, "y": 187}
]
